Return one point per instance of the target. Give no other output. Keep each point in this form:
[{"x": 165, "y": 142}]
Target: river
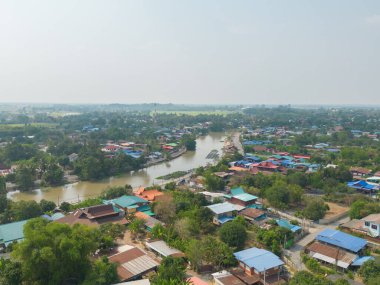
[{"x": 145, "y": 177}]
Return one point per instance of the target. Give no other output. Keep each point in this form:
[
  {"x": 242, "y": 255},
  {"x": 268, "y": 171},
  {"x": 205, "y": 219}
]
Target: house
[
  {"x": 150, "y": 222},
  {"x": 259, "y": 266},
  {"x": 226, "y": 278},
  {"x": 162, "y": 249},
  {"x": 330, "y": 254},
  {"x": 129, "y": 204},
  {"x": 253, "y": 215},
  {"x": 224, "y": 212},
  {"x": 211, "y": 196},
  {"x": 360, "y": 171},
  {"x": 268, "y": 166},
  {"x": 239, "y": 197},
  {"x": 94, "y": 216},
  {"x": 11, "y": 232},
  {"x": 133, "y": 263},
  {"x": 149, "y": 195},
  {"x": 342, "y": 240},
  {"x": 372, "y": 225},
  {"x": 285, "y": 224}
]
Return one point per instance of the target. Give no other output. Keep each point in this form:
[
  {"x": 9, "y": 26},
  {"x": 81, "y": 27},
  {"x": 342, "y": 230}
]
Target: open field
[
  {"x": 335, "y": 210},
  {"x": 16, "y": 126}
]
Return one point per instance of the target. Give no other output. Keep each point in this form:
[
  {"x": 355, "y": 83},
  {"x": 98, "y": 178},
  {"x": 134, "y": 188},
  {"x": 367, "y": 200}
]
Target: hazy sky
[{"x": 190, "y": 51}]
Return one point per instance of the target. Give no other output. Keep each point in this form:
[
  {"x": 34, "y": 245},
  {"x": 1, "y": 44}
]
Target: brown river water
[{"x": 144, "y": 177}]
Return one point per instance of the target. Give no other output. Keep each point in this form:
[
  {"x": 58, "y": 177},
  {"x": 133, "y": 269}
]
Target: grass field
[
  {"x": 16, "y": 126},
  {"x": 195, "y": 113}
]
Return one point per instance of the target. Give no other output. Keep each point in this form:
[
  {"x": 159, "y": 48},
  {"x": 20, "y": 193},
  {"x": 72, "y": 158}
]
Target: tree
[
  {"x": 65, "y": 206},
  {"x": 217, "y": 253},
  {"x": 53, "y": 174},
  {"x": 47, "y": 206},
  {"x": 53, "y": 253},
  {"x": 214, "y": 183},
  {"x": 137, "y": 227},
  {"x": 24, "y": 210},
  {"x": 307, "y": 278},
  {"x": 233, "y": 234},
  {"x": 278, "y": 195},
  {"x": 102, "y": 273},
  {"x": 10, "y": 272},
  {"x": 190, "y": 143},
  {"x": 170, "y": 270},
  {"x": 115, "y": 192},
  {"x": 165, "y": 210},
  {"x": 25, "y": 175},
  {"x": 369, "y": 271},
  {"x": 315, "y": 209}
]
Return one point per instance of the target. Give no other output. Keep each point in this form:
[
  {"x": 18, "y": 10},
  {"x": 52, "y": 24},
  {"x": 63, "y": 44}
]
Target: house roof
[
  {"x": 252, "y": 213},
  {"x": 259, "y": 259},
  {"x": 240, "y": 194},
  {"x": 221, "y": 208},
  {"x": 287, "y": 225},
  {"x": 127, "y": 201},
  {"x": 375, "y": 218},
  {"x": 150, "y": 222},
  {"x": 360, "y": 170},
  {"x": 360, "y": 261},
  {"x": 341, "y": 239},
  {"x": 132, "y": 263},
  {"x": 11, "y": 232},
  {"x": 332, "y": 252},
  {"x": 150, "y": 195},
  {"x": 137, "y": 282},
  {"x": 164, "y": 249}
]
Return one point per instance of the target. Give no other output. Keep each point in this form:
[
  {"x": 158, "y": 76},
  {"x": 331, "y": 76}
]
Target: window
[
  {"x": 366, "y": 224},
  {"x": 374, "y": 227}
]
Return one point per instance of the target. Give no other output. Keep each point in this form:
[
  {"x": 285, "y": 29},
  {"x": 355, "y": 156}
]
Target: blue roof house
[
  {"x": 342, "y": 240},
  {"x": 363, "y": 186},
  {"x": 11, "y": 232},
  {"x": 259, "y": 263}
]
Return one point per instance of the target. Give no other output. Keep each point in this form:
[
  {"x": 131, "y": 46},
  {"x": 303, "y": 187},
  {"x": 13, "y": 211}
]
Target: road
[
  {"x": 295, "y": 251},
  {"x": 237, "y": 143}
]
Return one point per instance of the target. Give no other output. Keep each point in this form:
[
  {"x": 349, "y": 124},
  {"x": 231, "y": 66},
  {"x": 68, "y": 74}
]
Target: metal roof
[
  {"x": 245, "y": 197},
  {"x": 11, "y": 232},
  {"x": 287, "y": 225},
  {"x": 127, "y": 201},
  {"x": 342, "y": 240},
  {"x": 361, "y": 260},
  {"x": 140, "y": 264},
  {"x": 259, "y": 259},
  {"x": 221, "y": 208},
  {"x": 162, "y": 248}
]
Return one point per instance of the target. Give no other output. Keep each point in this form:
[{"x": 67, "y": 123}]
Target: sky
[{"x": 190, "y": 51}]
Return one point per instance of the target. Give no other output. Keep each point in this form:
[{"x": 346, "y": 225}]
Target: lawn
[{"x": 16, "y": 126}]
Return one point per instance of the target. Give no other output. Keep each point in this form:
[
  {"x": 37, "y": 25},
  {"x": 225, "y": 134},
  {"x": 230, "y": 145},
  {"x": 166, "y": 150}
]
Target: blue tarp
[
  {"x": 361, "y": 185},
  {"x": 259, "y": 259},
  {"x": 342, "y": 240}
]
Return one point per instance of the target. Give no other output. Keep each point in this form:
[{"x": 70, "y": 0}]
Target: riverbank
[{"x": 144, "y": 177}]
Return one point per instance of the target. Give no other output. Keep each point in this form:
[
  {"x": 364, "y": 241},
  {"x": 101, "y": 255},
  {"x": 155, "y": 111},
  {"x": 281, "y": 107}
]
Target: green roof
[
  {"x": 128, "y": 201},
  {"x": 11, "y": 232},
  {"x": 172, "y": 144},
  {"x": 237, "y": 191}
]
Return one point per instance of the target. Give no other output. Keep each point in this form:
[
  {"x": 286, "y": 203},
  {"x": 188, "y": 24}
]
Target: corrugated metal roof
[
  {"x": 361, "y": 260},
  {"x": 12, "y": 231},
  {"x": 140, "y": 264},
  {"x": 162, "y": 248},
  {"x": 342, "y": 240},
  {"x": 127, "y": 201},
  {"x": 221, "y": 208},
  {"x": 259, "y": 259},
  {"x": 245, "y": 197}
]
